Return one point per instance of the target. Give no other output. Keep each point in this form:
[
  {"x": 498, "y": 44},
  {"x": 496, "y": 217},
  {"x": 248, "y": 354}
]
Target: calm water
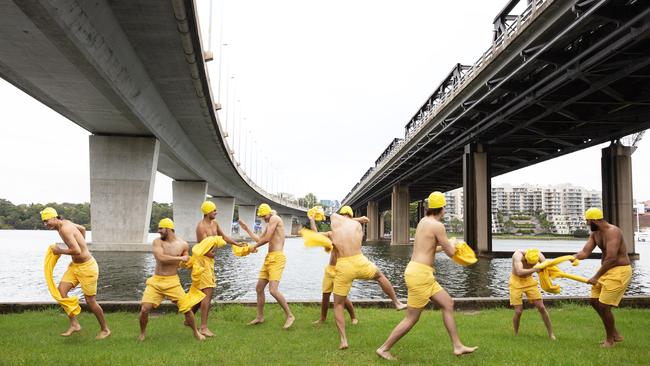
[{"x": 122, "y": 275}]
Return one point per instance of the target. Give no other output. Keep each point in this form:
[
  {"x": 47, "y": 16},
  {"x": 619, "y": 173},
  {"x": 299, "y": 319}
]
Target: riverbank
[{"x": 34, "y": 339}]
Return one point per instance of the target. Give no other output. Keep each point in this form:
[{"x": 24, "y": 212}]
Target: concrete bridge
[
  {"x": 562, "y": 76},
  {"x": 133, "y": 74}
]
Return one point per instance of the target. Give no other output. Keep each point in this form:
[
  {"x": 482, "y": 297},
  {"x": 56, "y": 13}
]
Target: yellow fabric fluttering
[
  {"x": 241, "y": 251},
  {"x": 198, "y": 251},
  {"x": 464, "y": 255},
  {"x": 556, "y": 261},
  {"x": 548, "y": 274},
  {"x": 191, "y": 298},
  {"x": 69, "y": 304},
  {"x": 317, "y": 213},
  {"x": 316, "y": 239}
]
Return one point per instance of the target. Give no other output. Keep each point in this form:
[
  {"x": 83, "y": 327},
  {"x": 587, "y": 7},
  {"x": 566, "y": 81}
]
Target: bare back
[
  {"x": 276, "y": 244},
  {"x": 347, "y": 234},
  {"x": 176, "y": 247},
  {"x": 72, "y": 237},
  {"x": 424, "y": 248}
]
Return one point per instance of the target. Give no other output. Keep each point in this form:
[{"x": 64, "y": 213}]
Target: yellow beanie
[
  {"x": 593, "y": 214},
  {"x": 263, "y": 210},
  {"x": 207, "y": 207},
  {"x": 166, "y": 223},
  {"x": 317, "y": 213},
  {"x": 346, "y": 210},
  {"x": 532, "y": 255},
  {"x": 437, "y": 200},
  {"x": 48, "y": 213}
]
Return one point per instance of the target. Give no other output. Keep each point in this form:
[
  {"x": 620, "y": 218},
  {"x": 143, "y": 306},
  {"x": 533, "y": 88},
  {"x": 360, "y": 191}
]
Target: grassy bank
[{"x": 32, "y": 338}]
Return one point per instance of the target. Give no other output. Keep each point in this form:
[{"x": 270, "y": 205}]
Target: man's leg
[
  {"x": 387, "y": 287},
  {"x": 350, "y": 308},
  {"x": 259, "y": 289},
  {"x": 205, "y": 310},
  {"x": 189, "y": 320},
  {"x": 339, "y": 303},
  {"x": 446, "y": 304},
  {"x": 324, "y": 307},
  {"x": 519, "y": 310},
  {"x": 64, "y": 287},
  {"x": 412, "y": 317},
  {"x": 145, "y": 309},
  {"x": 539, "y": 304},
  {"x": 99, "y": 314},
  {"x": 275, "y": 292},
  {"x": 610, "y": 327},
  {"x": 601, "y": 312}
]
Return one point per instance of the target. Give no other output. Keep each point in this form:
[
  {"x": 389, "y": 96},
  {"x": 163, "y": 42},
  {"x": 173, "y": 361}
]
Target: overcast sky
[{"x": 323, "y": 87}]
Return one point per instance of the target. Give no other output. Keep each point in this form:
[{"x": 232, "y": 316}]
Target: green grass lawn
[{"x": 32, "y": 338}]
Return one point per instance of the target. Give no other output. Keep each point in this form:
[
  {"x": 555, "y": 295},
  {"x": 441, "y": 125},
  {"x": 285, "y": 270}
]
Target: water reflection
[{"x": 123, "y": 275}]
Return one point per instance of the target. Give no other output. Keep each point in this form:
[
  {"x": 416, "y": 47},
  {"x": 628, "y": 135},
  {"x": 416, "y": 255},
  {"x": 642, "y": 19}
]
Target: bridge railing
[{"x": 450, "y": 87}]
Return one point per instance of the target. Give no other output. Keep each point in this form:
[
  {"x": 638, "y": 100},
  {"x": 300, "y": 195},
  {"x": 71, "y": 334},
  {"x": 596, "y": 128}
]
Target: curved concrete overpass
[{"x": 132, "y": 73}]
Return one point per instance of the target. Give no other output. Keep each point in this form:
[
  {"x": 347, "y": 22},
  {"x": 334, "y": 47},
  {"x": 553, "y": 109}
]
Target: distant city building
[{"x": 330, "y": 206}]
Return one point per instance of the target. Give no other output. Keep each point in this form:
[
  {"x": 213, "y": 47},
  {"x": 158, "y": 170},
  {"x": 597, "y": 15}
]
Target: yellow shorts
[
  {"x": 273, "y": 266},
  {"x": 85, "y": 273},
  {"x": 612, "y": 285},
  {"x": 520, "y": 285},
  {"x": 208, "y": 278},
  {"x": 159, "y": 287},
  {"x": 349, "y": 269},
  {"x": 328, "y": 279},
  {"x": 421, "y": 284}
]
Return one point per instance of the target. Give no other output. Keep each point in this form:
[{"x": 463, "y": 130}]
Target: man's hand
[
  {"x": 592, "y": 281},
  {"x": 185, "y": 258},
  {"x": 242, "y": 224},
  {"x": 56, "y": 250},
  {"x": 253, "y": 249}
]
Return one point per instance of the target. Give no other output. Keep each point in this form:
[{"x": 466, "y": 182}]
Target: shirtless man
[
  {"x": 612, "y": 278},
  {"x": 352, "y": 264},
  {"x": 208, "y": 226},
  {"x": 328, "y": 278},
  {"x": 83, "y": 269},
  {"x": 169, "y": 251},
  {"x": 274, "y": 262},
  {"x": 420, "y": 281},
  {"x": 521, "y": 281}
]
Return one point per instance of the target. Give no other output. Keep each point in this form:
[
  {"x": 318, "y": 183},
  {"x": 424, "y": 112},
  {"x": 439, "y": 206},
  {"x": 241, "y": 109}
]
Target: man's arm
[
  {"x": 248, "y": 231},
  {"x": 81, "y": 229},
  {"x": 224, "y": 236},
  {"x": 161, "y": 257},
  {"x": 69, "y": 240},
  {"x": 448, "y": 246},
  {"x": 362, "y": 220},
  {"x": 587, "y": 249},
  {"x": 312, "y": 224},
  {"x": 542, "y": 258},
  {"x": 268, "y": 234},
  {"x": 613, "y": 242},
  {"x": 518, "y": 267}
]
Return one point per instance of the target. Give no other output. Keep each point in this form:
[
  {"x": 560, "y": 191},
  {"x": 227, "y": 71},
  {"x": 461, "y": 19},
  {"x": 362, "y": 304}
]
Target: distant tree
[
  {"x": 158, "y": 212},
  {"x": 581, "y": 233},
  {"x": 309, "y": 200}
]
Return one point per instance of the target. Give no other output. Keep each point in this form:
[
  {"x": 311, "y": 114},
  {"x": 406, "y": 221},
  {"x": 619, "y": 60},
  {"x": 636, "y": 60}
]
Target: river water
[{"x": 123, "y": 275}]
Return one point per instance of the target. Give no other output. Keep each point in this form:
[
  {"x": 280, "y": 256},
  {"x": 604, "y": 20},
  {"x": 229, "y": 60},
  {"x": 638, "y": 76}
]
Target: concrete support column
[
  {"x": 616, "y": 167},
  {"x": 421, "y": 210},
  {"x": 248, "y": 215},
  {"x": 373, "y": 224},
  {"x": 287, "y": 220},
  {"x": 225, "y": 213},
  {"x": 476, "y": 197},
  {"x": 122, "y": 175},
  {"x": 188, "y": 197},
  {"x": 382, "y": 224},
  {"x": 400, "y": 200}
]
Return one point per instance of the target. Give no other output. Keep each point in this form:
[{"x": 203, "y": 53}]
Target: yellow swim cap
[
  {"x": 263, "y": 210},
  {"x": 593, "y": 214},
  {"x": 532, "y": 255},
  {"x": 48, "y": 213},
  {"x": 317, "y": 213},
  {"x": 166, "y": 223},
  {"x": 346, "y": 210},
  {"x": 207, "y": 207},
  {"x": 437, "y": 200}
]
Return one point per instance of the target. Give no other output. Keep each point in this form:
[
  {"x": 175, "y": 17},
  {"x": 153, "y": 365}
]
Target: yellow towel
[
  {"x": 315, "y": 239},
  {"x": 191, "y": 298},
  {"x": 200, "y": 250},
  {"x": 556, "y": 261},
  {"x": 317, "y": 213},
  {"x": 241, "y": 251},
  {"x": 464, "y": 255},
  {"x": 69, "y": 304},
  {"x": 552, "y": 272}
]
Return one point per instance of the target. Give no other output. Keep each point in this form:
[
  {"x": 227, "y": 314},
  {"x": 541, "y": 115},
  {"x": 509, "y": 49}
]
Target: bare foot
[
  {"x": 73, "y": 328},
  {"x": 206, "y": 332},
  {"x": 617, "y": 338},
  {"x": 318, "y": 322},
  {"x": 256, "y": 321},
  {"x": 400, "y": 306},
  {"x": 463, "y": 350},
  {"x": 199, "y": 336},
  {"x": 103, "y": 334},
  {"x": 355, "y": 321},
  {"x": 141, "y": 337},
  {"x": 344, "y": 345},
  {"x": 385, "y": 355},
  {"x": 607, "y": 344},
  {"x": 289, "y": 322}
]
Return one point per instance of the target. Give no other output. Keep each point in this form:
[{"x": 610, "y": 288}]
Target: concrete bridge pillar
[
  {"x": 476, "y": 197},
  {"x": 400, "y": 200},
  {"x": 287, "y": 220},
  {"x": 225, "y": 213},
  {"x": 382, "y": 224},
  {"x": 122, "y": 175},
  {"x": 616, "y": 168},
  {"x": 421, "y": 210},
  {"x": 188, "y": 197},
  {"x": 373, "y": 224},
  {"x": 248, "y": 214}
]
